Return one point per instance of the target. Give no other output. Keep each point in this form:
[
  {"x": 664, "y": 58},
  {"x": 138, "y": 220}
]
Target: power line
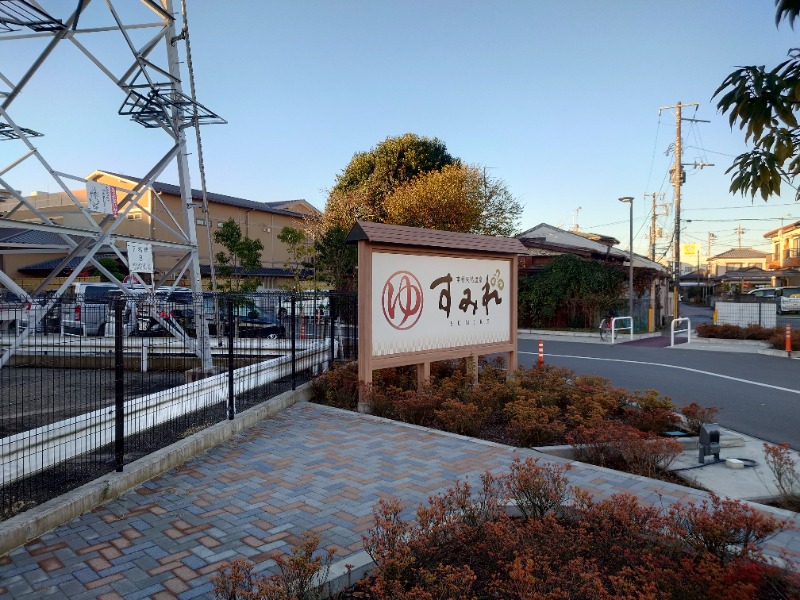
[
  {"x": 712, "y": 151},
  {"x": 742, "y": 207},
  {"x": 735, "y": 220}
]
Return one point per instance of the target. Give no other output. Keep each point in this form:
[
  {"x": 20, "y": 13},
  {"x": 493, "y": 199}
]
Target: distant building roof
[
  {"x": 740, "y": 253},
  {"x": 783, "y": 228},
  {"x": 262, "y": 272},
  {"x": 597, "y": 237},
  {"x": 549, "y": 237},
  {"x": 46, "y": 266},
  {"x": 168, "y": 188},
  {"x": 13, "y": 236}
]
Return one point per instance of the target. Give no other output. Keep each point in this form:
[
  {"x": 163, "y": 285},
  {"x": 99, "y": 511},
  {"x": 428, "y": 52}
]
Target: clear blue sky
[{"x": 558, "y": 99}]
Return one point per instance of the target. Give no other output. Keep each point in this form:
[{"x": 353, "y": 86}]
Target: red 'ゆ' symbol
[{"x": 402, "y": 300}]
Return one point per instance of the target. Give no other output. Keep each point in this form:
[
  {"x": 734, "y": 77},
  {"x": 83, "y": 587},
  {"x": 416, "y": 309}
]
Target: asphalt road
[{"x": 757, "y": 395}]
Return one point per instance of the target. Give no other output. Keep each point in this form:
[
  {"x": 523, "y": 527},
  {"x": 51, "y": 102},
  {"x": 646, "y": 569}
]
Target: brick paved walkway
[{"x": 310, "y": 468}]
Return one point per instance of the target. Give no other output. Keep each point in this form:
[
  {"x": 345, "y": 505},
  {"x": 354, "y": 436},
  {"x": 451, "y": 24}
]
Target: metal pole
[
  {"x": 231, "y": 398},
  {"x": 630, "y": 268},
  {"x": 332, "y": 317},
  {"x": 294, "y": 346},
  {"x": 629, "y": 200},
  {"x": 119, "y": 388}
]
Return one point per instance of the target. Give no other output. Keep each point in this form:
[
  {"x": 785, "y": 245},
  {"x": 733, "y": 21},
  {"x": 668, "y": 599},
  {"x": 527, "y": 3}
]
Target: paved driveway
[{"x": 310, "y": 468}]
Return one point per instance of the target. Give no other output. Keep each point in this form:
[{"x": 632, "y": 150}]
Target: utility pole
[
  {"x": 711, "y": 238},
  {"x": 739, "y": 231},
  {"x": 654, "y": 234},
  {"x": 677, "y": 181},
  {"x": 653, "y": 230}
]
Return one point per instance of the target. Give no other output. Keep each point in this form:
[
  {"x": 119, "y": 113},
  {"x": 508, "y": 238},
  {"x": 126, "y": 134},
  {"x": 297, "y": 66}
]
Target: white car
[{"x": 788, "y": 299}]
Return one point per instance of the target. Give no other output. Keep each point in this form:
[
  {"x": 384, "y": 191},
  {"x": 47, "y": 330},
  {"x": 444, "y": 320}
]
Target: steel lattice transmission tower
[{"x": 153, "y": 97}]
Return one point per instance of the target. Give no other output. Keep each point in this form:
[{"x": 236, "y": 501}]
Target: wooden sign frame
[{"x": 374, "y": 238}]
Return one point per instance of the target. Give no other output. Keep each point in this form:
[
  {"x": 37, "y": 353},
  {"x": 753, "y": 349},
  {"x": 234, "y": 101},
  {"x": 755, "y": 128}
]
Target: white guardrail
[
  {"x": 687, "y": 330},
  {"x": 38, "y": 449},
  {"x": 615, "y": 328}
]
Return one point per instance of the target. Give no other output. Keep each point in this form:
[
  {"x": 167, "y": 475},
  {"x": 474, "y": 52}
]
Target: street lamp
[{"x": 629, "y": 200}]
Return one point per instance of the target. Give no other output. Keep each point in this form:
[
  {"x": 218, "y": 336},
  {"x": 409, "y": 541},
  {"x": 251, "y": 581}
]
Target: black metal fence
[{"x": 75, "y": 406}]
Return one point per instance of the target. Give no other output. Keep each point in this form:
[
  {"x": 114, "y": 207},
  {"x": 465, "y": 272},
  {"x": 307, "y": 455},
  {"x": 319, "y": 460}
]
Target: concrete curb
[
  {"x": 26, "y": 526},
  {"x": 534, "y": 333},
  {"x": 720, "y": 344}
]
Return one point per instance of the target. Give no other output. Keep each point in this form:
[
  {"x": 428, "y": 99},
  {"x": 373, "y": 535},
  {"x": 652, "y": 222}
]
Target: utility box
[{"x": 709, "y": 441}]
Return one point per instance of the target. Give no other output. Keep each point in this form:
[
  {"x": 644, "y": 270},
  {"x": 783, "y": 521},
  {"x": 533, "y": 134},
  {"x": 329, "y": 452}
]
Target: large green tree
[
  {"x": 456, "y": 198},
  {"x": 764, "y": 104},
  {"x": 414, "y": 181},
  {"x": 362, "y": 187},
  {"x": 242, "y": 254}
]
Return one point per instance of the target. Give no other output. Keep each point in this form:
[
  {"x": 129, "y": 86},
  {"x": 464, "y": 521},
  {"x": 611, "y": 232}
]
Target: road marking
[{"x": 652, "y": 364}]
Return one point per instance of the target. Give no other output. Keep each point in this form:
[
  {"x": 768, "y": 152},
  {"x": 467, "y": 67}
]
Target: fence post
[
  {"x": 231, "y": 399},
  {"x": 119, "y": 388},
  {"x": 294, "y": 345},
  {"x": 332, "y": 317}
]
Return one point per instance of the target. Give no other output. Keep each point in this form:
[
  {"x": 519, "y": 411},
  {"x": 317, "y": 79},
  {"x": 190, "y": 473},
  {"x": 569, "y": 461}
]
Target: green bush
[{"x": 774, "y": 336}]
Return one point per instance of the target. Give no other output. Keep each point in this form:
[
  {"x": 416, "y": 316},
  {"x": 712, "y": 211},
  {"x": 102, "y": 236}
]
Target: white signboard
[
  {"x": 140, "y": 257},
  {"x": 101, "y": 198},
  {"x": 435, "y": 302}
]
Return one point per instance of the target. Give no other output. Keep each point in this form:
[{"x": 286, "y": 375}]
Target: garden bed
[{"x": 607, "y": 426}]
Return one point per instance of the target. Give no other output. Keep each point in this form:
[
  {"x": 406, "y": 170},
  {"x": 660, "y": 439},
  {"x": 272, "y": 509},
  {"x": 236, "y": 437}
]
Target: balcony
[{"x": 791, "y": 258}]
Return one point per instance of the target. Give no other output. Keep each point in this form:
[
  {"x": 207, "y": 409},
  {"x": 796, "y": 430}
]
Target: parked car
[
  {"x": 788, "y": 299},
  {"x": 764, "y": 292},
  {"x": 253, "y": 321},
  {"x": 84, "y": 307},
  {"x": 12, "y": 309},
  {"x": 249, "y": 320},
  {"x": 45, "y": 323}
]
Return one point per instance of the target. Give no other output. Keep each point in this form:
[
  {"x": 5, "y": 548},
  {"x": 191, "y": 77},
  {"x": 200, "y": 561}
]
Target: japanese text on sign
[
  {"x": 140, "y": 257},
  {"x": 101, "y": 198},
  {"x": 432, "y": 302}
]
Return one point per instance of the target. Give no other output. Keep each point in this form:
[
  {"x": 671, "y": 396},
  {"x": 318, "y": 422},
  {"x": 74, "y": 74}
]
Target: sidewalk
[
  {"x": 309, "y": 468},
  {"x": 695, "y": 343}
]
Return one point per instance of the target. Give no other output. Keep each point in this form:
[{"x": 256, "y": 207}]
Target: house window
[
  {"x": 201, "y": 222},
  {"x": 134, "y": 216},
  {"x": 220, "y": 223}
]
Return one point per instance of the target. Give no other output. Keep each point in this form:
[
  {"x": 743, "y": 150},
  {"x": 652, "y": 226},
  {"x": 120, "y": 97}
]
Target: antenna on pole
[{"x": 575, "y": 213}]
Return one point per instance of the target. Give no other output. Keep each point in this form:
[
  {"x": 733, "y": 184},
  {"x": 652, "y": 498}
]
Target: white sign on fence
[
  {"x": 140, "y": 257},
  {"x": 433, "y": 302},
  {"x": 101, "y": 198}
]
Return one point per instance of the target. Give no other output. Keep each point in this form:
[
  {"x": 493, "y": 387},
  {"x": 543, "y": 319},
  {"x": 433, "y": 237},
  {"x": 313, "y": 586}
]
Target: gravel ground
[{"x": 32, "y": 397}]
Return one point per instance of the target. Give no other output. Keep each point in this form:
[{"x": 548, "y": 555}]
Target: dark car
[
  {"x": 248, "y": 320},
  {"x": 252, "y": 321}
]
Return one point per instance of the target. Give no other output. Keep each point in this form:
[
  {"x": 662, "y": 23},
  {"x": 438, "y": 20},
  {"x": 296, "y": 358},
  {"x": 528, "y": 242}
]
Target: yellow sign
[{"x": 690, "y": 249}]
